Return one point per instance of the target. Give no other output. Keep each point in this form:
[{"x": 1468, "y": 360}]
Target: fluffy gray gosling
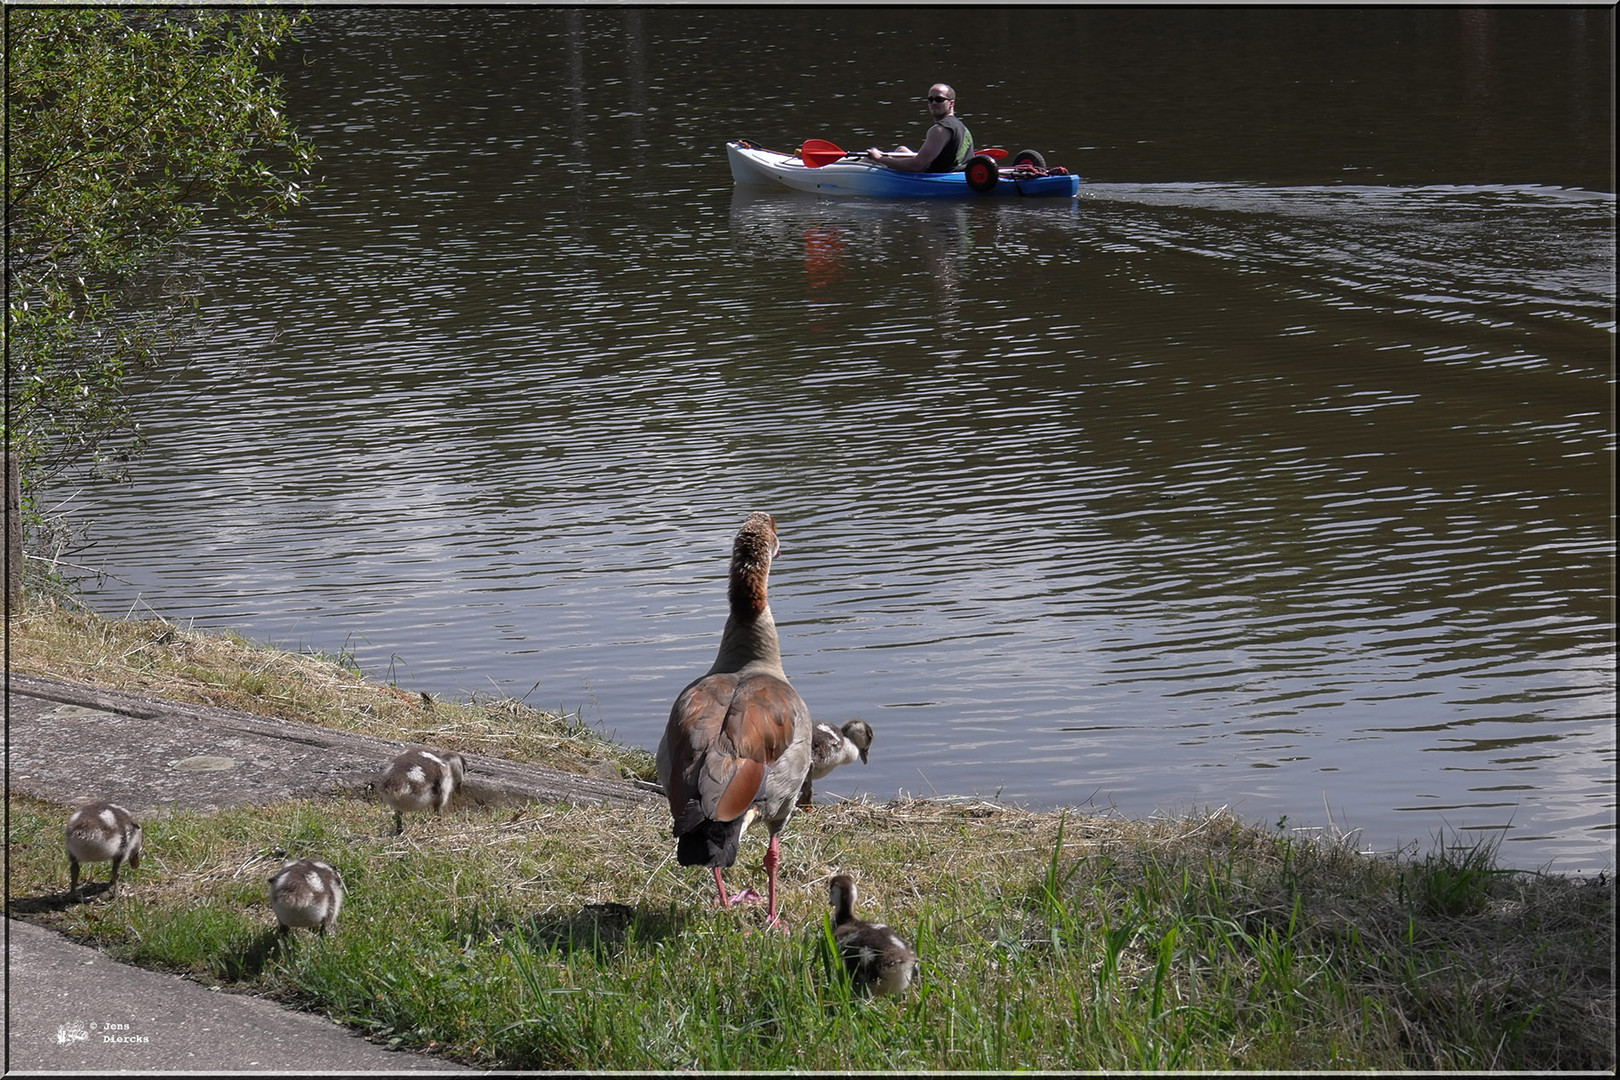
[
  {"x": 307, "y": 892},
  {"x": 831, "y": 747},
  {"x": 877, "y": 960},
  {"x": 101, "y": 832},
  {"x": 420, "y": 780}
]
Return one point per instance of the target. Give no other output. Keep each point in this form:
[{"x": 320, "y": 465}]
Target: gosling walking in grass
[
  {"x": 101, "y": 832},
  {"x": 420, "y": 780},
  {"x": 877, "y": 960},
  {"x": 308, "y": 893}
]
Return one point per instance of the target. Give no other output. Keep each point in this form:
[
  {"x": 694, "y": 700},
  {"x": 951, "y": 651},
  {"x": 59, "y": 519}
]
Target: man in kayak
[{"x": 946, "y": 147}]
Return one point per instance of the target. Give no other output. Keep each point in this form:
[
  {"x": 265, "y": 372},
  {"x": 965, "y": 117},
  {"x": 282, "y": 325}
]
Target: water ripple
[{"x": 1191, "y": 493}]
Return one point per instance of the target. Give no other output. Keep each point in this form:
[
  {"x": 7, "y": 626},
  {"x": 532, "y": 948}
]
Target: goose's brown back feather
[{"x": 726, "y": 733}]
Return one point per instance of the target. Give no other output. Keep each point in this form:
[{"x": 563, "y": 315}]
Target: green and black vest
[{"x": 957, "y": 151}]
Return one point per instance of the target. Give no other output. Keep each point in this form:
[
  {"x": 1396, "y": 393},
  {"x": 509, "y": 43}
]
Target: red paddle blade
[
  {"x": 818, "y": 152},
  {"x": 995, "y": 152}
]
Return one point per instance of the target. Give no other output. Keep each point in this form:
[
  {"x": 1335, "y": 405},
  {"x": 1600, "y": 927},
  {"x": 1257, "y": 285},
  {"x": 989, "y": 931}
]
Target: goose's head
[
  {"x": 751, "y": 554},
  {"x": 859, "y": 732},
  {"x": 841, "y": 895},
  {"x": 756, "y": 543},
  {"x": 457, "y": 766}
]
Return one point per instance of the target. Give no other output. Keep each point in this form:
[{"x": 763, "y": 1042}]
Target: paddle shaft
[{"x": 818, "y": 152}]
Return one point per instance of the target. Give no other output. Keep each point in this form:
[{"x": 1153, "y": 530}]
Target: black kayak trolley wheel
[
  {"x": 982, "y": 173},
  {"x": 1029, "y": 157}
]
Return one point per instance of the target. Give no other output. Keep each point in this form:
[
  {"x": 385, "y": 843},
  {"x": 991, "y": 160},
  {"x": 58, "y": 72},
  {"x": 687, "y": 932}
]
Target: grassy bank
[
  {"x": 568, "y": 938},
  {"x": 226, "y": 670}
]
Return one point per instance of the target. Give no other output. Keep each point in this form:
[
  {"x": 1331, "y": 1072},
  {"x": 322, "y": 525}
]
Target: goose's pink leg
[
  {"x": 771, "y": 859},
  {"x": 747, "y": 896}
]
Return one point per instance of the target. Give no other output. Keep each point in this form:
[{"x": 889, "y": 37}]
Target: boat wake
[{"x": 1489, "y": 254}]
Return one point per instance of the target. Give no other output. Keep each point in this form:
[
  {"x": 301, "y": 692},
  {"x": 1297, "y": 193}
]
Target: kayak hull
[{"x": 767, "y": 168}]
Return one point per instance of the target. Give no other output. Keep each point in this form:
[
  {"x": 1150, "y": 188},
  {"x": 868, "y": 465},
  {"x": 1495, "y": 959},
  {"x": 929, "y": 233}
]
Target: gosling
[
  {"x": 420, "y": 780},
  {"x": 307, "y": 892},
  {"x": 831, "y": 747},
  {"x": 877, "y": 960},
  {"x": 101, "y": 832}
]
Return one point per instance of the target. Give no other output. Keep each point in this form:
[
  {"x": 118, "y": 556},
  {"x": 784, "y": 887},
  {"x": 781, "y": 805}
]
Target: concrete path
[
  {"x": 71, "y": 1010},
  {"x": 70, "y": 742}
]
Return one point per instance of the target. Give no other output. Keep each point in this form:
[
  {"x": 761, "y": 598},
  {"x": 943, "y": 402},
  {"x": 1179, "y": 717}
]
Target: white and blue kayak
[{"x": 854, "y": 175}]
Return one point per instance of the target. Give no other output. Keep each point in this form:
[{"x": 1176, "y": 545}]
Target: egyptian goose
[
  {"x": 737, "y": 744},
  {"x": 101, "y": 832},
  {"x": 831, "y": 747},
  {"x": 307, "y": 892},
  {"x": 420, "y": 780},
  {"x": 877, "y": 960}
]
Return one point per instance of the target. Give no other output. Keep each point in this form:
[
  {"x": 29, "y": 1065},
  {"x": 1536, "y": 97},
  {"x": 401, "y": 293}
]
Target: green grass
[{"x": 569, "y": 939}]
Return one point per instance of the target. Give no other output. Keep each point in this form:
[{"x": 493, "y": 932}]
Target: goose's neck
[
  {"x": 750, "y": 633},
  {"x": 843, "y": 907},
  {"x": 748, "y": 640}
]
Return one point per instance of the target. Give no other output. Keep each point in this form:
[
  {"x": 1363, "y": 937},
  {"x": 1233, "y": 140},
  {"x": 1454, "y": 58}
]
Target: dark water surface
[{"x": 1274, "y": 472}]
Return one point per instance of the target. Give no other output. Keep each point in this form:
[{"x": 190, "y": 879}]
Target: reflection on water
[{"x": 1193, "y": 492}]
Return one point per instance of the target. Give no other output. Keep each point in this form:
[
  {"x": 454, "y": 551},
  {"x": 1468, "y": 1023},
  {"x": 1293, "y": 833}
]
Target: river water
[{"x": 1274, "y": 472}]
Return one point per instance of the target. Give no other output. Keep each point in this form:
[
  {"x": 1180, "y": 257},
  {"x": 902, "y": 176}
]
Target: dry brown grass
[{"x": 225, "y": 670}]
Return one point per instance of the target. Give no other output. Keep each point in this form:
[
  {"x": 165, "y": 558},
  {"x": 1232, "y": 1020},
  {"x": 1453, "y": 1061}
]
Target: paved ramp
[{"x": 70, "y": 742}]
